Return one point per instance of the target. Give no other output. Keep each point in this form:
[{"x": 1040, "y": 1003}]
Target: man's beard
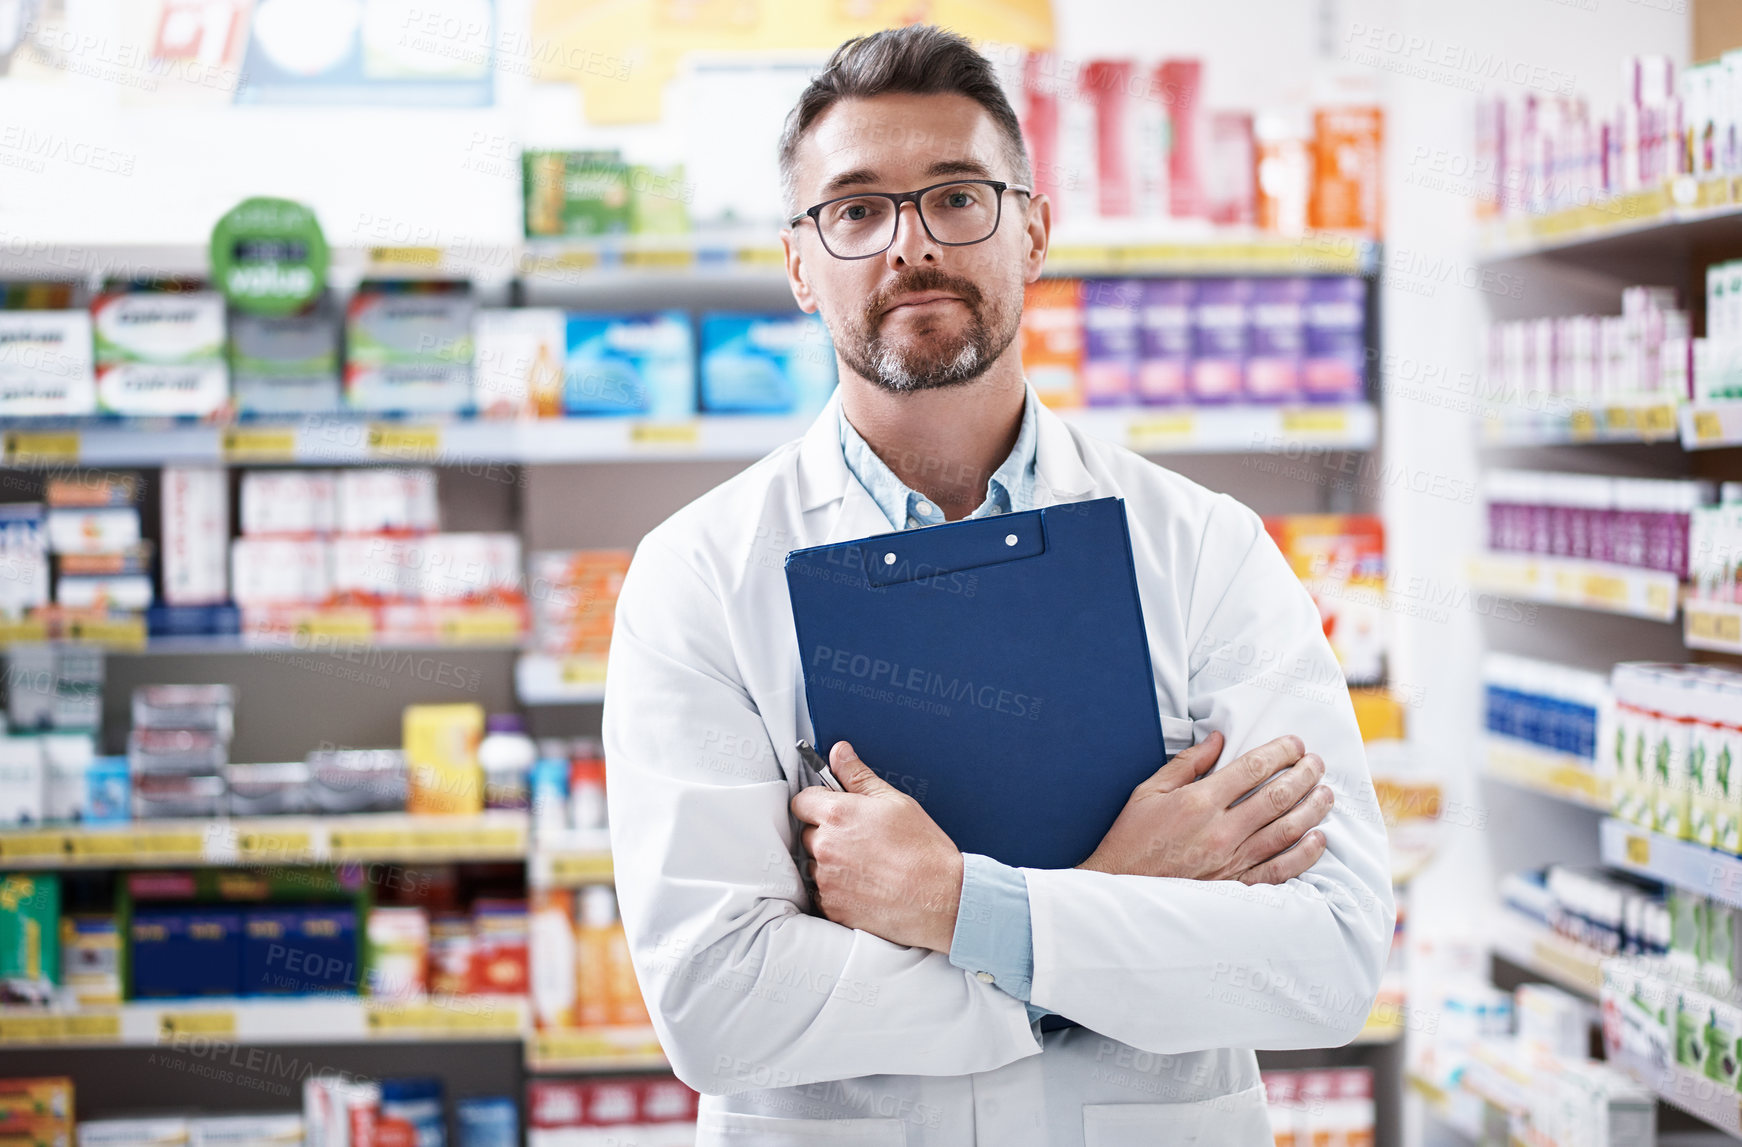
[{"x": 899, "y": 365}]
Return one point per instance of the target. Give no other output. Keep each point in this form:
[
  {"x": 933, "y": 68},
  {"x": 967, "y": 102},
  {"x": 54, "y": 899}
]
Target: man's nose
[{"x": 912, "y": 243}]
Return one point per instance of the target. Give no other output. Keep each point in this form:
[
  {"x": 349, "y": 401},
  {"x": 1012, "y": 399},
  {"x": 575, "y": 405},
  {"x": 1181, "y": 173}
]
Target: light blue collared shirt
[{"x": 994, "y": 935}]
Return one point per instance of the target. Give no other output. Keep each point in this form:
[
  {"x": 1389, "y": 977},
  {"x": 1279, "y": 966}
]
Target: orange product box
[
  {"x": 1347, "y": 158},
  {"x": 1052, "y": 340}
]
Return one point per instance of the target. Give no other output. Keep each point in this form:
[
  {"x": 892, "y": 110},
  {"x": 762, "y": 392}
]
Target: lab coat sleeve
[
  {"x": 1173, "y": 965},
  {"x": 744, "y": 988}
]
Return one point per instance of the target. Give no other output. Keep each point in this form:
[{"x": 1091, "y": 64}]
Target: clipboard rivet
[
  {"x": 888, "y": 559},
  {"x": 1009, "y": 539}
]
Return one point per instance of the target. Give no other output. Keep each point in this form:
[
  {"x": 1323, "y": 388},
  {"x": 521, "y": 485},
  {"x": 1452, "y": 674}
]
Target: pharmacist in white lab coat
[{"x": 920, "y": 996}]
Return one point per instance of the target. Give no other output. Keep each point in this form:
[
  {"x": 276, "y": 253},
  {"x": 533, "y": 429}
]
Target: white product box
[
  {"x": 23, "y": 558},
  {"x": 104, "y": 530},
  {"x": 281, "y": 571},
  {"x": 1556, "y": 1021},
  {"x": 456, "y": 567},
  {"x": 517, "y": 371},
  {"x": 374, "y": 566},
  {"x": 170, "y": 1131},
  {"x": 46, "y": 364},
  {"x": 374, "y": 500},
  {"x": 196, "y": 534},
  {"x": 246, "y": 1131},
  {"x": 120, "y": 591},
  {"x": 66, "y": 761},
  {"x": 294, "y": 503},
  {"x": 23, "y": 780}
]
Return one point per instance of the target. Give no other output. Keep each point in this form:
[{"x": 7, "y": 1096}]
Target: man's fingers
[
  {"x": 1283, "y": 868},
  {"x": 1286, "y": 830},
  {"x": 814, "y": 804},
  {"x": 1284, "y": 791},
  {"x": 1252, "y": 769},
  {"x": 1188, "y": 764}
]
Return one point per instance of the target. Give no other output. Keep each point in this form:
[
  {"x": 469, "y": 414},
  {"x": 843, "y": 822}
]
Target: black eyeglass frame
[{"x": 898, "y": 198}]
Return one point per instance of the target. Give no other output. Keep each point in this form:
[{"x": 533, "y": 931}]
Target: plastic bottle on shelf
[
  {"x": 506, "y": 755},
  {"x": 593, "y": 938},
  {"x": 587, "y": 785},
  {"x": 550, "y": 789}
]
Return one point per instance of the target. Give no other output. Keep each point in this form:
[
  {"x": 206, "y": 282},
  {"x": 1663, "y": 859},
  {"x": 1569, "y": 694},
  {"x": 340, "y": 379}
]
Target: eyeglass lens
[{"x": 865, "y": 225}]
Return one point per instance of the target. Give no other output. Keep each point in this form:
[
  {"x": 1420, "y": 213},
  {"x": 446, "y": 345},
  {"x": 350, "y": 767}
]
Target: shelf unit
[
  {"x": 1540, "y": 770},
  {"x": 1577, "y": 425},
  {"x": 1680, "y": 210},
  {"x": 1578, "y": 584},
  {"x": 1681, "y": 863},
  {"x": 1546, "y": 953}
]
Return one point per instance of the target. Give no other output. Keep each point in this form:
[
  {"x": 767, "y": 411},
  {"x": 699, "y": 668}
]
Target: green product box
[
  {"x": 30, "y": 927},
  {"x": 661, "y": 198},
  {"x": 576, "y": 193}
]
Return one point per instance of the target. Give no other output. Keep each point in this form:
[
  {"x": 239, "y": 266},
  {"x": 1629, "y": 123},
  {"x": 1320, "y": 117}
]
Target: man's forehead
[{"x": 884, "y": 135}]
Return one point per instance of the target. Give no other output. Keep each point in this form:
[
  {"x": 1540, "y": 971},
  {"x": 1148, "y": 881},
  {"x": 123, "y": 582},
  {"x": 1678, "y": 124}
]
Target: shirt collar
[{"x": 1009, "y": 489}]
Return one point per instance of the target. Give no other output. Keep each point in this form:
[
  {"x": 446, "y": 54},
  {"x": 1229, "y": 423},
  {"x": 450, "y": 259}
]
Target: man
[{"x": 923, "y": 996}]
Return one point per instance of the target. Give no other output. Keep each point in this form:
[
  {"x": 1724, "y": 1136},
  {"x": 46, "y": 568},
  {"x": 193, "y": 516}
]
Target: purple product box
[
  {"x": 1111, "y": 309},
  {"x": 1164, "y": 341},
  {"x": 1276, "y": 339},
  {"x": 1336, "y": 349},
  {"x": 1219, "y": 339}
]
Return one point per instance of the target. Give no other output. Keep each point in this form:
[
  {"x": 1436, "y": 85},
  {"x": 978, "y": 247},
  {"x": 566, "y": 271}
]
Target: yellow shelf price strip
[
  {"x": 476, "y": 1015},
  {"x": 1582, "y": 425},
  {"x": 259, "y": 444},
  {"x": 393, "y": 440},
  {"x": 1657, "y": 421},
  {"x": 41, "y": 447},
  {"x": 1708, "y": 426},
  {"x": 171, "y": 1025},
  {"x": 1158, "y": 430},
  {"x": 567, "y": 868},
  {"x": 1315, "y": 422},
  {"x": 667, "y": 434},
  {"x": 94, "y": 1027},
  {"x": 1713, "y": 625},
  {"x": 1637, "y": 849}
]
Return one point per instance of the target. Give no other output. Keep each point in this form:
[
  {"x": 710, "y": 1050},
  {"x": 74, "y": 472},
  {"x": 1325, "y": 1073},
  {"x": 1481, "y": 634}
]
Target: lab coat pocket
[
  {"x": 1237, "y": 1120},
  {"x": 1177, "y": 733},
  {"x": 734, "y": 1129}
]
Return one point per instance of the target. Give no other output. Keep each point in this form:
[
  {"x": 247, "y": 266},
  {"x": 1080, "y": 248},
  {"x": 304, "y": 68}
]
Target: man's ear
[
  {"x": 1039, "y": 231},
  {"x": 801, "y": 290}
]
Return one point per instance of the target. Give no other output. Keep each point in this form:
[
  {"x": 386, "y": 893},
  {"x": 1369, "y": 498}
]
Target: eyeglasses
[{"x": 954, "y": 214}]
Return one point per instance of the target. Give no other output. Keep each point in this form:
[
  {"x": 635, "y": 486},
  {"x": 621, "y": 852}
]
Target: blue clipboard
[{"x": 995, "y": 669}]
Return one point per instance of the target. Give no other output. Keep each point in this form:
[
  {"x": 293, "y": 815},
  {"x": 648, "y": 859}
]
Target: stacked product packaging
[
  {"x": 1122, "y": 342},
  {"x": 1541, "y": 152},
  {"x": 49, "y": 767},
  {"x": 1326, "y": 1108},
  {"x": 1520, "y": 1059},
  {"x": 648, "y": 1111},
  {"x": 405, "y": 348},
  {"x": 102, "y": 560},
  {"x": 573, "y": 595},
  {"x": 179, "y": 749},
  {"x": 37, "y": 1112},
  {"x": 1118, "y": 141},
  {"x": 584, "y": 976},
  {"x": 1548, "y": 707},
  {"x": 1644, "y": 354},
  {"x": 1644, "y": 523},
  {"x": 367, "y": 541},
  {"x": 1671, "y": 748},
  {"x": 1340, "y": 558},
  {"x": 1715, "y": 548},
  {"x": 585, "y": 194},
  {"x": 1608, "y": 913},
  {"x": 1717, "y": 358},
  {"x": 1682, "y": 1008},
  {"x": 345, "y": 1111}
]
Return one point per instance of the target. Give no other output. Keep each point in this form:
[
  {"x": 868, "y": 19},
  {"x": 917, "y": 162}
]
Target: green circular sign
[{"x": 269, "y": 256}]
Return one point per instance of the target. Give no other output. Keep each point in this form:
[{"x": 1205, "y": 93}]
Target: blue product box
[
  {"x": 488, "y": 1121},
  {"x": 181, "y": 952},
  {"x": 108, "y": 791},
  {"x": 419, "y": 1103},
  {"x": 765, "y": 364},
  {"x": 300, "y": 951},
  {"x": 630, "y": 364}
]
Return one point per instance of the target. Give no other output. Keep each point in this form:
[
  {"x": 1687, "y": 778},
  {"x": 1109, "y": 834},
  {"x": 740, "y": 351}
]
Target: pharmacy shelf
[
  {"x": 1569, "y": 425},
  {"x": 1237, "y": 429},
  {"x": 570, "y": 859},
  {"x": 1680, "y": 863},
  {"x": 1711, "y": 425},
  {"x": 553, "y": 679},
  {"x": 1568, "y": 964},
  {"x": 624, "y": 1048},
  {"x": 1210, "y": 253},
  {"x": 340, "y": 441},
  {"x": 325, "y": 1020},
  {"x": 1712, "y": 625},
  {"x": 1705, "y": 1099},
  {"x": 291, "y": 840},
  {"x": 1683, "y": 210},
  {"x": 1579, "y": 584},
  {"x": 1559, "y": 775}
]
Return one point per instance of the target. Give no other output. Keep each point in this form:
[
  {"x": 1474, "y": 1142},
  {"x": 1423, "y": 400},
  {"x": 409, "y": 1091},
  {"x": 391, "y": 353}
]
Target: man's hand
[
  {"x": 1171, "y": 827},
  {"x": 880, "y": 862}
]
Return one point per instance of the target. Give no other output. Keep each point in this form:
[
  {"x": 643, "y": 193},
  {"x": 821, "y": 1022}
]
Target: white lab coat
[{"x": 798, "y": 1030}]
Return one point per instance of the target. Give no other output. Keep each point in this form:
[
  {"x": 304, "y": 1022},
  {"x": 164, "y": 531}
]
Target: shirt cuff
[{"x": 994, "y": 938}]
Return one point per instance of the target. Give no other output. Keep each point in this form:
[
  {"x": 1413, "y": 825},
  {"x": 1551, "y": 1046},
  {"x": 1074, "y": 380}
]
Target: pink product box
[{"x": 196, "y": 535}]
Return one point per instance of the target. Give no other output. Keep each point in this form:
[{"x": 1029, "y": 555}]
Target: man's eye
[
  {"x": 960, "y": 199},
  {"x": 854, "y": 212}
]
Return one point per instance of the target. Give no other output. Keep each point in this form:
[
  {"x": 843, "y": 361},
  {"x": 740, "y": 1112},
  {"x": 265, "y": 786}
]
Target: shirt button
[
  {"x": 912, "y": 522},
  {"x": 922, "y": 507},
  {"x": 983, "y": 977}
]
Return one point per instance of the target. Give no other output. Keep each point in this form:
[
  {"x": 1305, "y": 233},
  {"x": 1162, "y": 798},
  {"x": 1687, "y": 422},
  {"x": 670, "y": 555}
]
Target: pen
[{"x": 814, "y": 759}]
